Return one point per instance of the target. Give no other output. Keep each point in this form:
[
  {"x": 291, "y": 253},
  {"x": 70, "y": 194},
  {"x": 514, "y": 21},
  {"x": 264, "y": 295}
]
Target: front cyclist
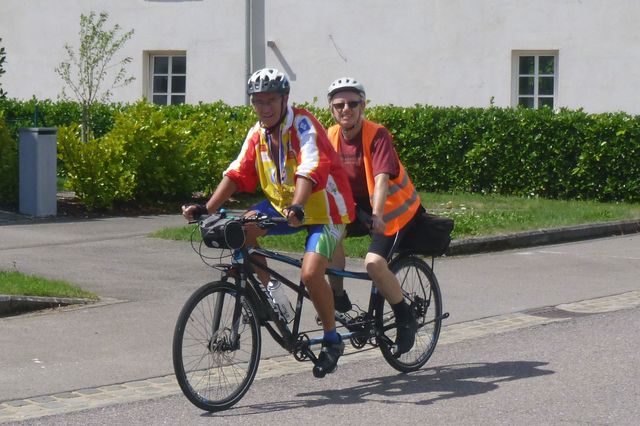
[{"x": 288, "y": 153}]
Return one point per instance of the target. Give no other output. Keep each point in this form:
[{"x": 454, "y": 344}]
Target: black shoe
[
  {"x": 342, "y": 303},
  {"x": 406, "y": 335},
  {"x": 328, "y": 358}
]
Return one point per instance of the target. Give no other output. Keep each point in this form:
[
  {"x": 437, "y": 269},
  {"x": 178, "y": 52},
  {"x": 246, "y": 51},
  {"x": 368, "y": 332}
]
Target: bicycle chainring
[{"x": 302, "y": 344}]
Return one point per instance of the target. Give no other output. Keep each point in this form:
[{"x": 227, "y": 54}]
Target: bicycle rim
[
  {"x": 422, "y": 292},
  {"x": 214, "y": 369}
]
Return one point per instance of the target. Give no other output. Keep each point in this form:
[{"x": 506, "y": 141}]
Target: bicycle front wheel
[
  {"x": 216, "y": 347},
  {"x": 421, "y": 291}
]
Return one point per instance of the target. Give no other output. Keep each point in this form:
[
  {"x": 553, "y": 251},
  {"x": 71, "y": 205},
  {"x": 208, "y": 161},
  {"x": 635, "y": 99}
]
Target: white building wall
[
  {"x": 439, "y": 52},
  {"x": 458, "y": 52},
  {"x": 211, "y": 32}
]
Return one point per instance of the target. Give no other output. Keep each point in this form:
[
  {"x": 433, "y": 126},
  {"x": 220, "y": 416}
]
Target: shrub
[
  {"x": 218, "y": 132},
  {"x": 155, "y": 152},
  {"x": 608, "y": 165},
  {"x": 97, "y": 170},
  {"x": 8, "y": 165}
]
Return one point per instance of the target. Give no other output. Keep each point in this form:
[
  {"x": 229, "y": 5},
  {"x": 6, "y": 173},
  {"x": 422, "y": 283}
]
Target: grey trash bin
[{"x": 37, "y": 165}]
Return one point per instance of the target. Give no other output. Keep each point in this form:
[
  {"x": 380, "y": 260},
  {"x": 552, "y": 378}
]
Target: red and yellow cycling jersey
[{"x": 305, "y": 151}]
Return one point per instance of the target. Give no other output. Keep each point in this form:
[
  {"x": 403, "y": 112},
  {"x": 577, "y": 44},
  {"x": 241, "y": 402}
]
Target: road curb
[
  {"x": 11, "y": 305},
  {"x": 542, "y": 237}
]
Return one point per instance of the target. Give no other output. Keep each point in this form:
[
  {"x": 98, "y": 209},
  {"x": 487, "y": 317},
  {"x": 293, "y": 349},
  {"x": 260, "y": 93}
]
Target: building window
[
  {"x": 535, "y": 79},
  {"x": 168, "y": 81}
]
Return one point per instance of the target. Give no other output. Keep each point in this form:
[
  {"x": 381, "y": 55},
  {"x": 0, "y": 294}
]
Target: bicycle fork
[{"x": 226, "y": 339}]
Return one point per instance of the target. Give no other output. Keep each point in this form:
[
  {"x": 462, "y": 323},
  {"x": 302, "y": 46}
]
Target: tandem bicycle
[{"x": 217, "y": 339}]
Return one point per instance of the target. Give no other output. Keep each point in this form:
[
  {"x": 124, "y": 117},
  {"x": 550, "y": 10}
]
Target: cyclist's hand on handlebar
[
  {"x": 377, "y": 224},
  {"x": 294, "y": 215},
  {"x": 193, "y": 211}
]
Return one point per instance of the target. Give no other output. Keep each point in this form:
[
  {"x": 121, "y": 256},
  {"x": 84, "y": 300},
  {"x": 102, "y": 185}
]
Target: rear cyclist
[{"x": 386, "y": 200}]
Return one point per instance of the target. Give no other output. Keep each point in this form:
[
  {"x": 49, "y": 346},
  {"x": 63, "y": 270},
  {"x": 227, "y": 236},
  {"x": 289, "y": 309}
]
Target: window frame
[
  {"x": 515, "y": 77},
  {"x": 150, "y": 74}
]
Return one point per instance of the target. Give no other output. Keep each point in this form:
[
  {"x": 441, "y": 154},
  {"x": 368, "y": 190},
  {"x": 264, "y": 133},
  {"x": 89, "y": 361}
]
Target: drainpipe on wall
[{"x": 247, "y": 45}]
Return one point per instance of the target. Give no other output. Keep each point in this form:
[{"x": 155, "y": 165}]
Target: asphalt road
[
  {"x": 579, "y": 371},
  {"x": 94, "y": 357}
]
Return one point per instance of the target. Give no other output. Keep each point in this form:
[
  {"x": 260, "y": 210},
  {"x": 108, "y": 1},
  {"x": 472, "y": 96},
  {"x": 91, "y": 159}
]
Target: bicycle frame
[{"x": 292, "y": 339}]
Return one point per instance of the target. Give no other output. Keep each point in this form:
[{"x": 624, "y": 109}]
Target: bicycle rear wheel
[
  {"x": 214, "y": 360},
  {"x": 421, "y": 290}
]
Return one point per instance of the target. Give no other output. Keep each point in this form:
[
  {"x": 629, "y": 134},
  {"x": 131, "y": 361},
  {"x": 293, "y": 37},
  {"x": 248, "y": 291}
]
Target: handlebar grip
[
  {"x": 279, "y": 220},
  {"x": 270, "y": 222}
]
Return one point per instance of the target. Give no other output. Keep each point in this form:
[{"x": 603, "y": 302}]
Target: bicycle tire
[
  {"x": 421, "y": 289},
  {"x": 214, "y": 373}
]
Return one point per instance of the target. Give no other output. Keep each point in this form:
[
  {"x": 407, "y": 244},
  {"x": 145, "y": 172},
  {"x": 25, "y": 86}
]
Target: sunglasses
[{"x": 340, "y": 105}]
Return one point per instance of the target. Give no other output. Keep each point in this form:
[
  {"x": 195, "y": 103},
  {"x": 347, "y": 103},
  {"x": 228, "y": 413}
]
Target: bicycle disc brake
[
  {"x": 222, "y": 342},
  {"x": 419, "y": 307}
]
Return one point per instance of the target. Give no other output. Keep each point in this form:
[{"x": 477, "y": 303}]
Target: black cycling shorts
[{"x": 382, "y": 245}]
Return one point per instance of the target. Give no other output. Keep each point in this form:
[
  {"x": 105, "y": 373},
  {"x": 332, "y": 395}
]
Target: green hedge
[
  {"x": 48, "y": 113},
  {"x": 565, "y": 154},
  {"x": 144, "y": 152},
  {"x": 8, "y": 165}
]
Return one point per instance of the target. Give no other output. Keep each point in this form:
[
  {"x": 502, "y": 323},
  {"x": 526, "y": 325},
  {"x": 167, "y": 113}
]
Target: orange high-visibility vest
[{"x": 402, "y": 198}]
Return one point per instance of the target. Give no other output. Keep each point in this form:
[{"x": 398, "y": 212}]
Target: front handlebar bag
[{"x": 220, "y": 232}]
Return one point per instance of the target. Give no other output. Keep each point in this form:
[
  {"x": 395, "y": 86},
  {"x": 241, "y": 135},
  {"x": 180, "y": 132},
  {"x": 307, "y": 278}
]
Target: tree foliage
[
  {"x": 3, "y": 58},
  {"x": 86, "y": 69}
]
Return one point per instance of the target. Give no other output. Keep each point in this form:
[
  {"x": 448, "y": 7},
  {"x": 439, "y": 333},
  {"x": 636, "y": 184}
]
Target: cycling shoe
[
  {"x": 406, "y": 336},
  {"x": 327, "y": 361}
]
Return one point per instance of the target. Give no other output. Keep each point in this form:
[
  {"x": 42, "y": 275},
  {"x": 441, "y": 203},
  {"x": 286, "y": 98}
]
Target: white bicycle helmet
[
  {"x": 268, "y": 80},
  {"x": 345, "y": 83}
]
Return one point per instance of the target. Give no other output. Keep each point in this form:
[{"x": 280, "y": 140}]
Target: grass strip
[
  {"x": 16, "y": 283},
  {"x": 475, "y": 215}
]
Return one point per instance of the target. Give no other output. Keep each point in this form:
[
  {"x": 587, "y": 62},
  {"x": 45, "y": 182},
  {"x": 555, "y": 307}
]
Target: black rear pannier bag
[{"x": 430, "y": 235}]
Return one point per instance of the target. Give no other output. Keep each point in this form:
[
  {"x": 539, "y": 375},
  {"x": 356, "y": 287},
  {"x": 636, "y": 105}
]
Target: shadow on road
[{"x": 427, "y": 386}]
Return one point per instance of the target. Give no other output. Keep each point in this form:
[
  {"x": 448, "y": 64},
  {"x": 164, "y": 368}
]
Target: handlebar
[{"x": 262, "y": 220}]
